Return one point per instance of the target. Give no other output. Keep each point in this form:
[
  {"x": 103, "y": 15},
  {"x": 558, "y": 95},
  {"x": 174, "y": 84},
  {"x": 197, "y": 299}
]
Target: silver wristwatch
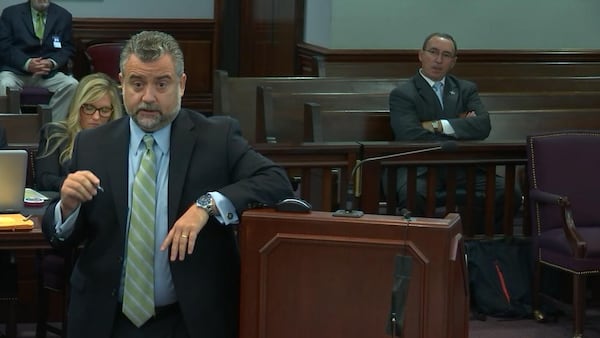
[{"x": 207, "y": 203}]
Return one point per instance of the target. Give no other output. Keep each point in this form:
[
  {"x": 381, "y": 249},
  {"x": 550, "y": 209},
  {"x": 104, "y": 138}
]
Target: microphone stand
[{"x": 351, "y": 193}]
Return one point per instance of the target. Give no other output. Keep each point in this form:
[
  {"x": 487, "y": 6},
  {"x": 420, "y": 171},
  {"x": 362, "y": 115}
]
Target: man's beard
[{"x": 150, "y": 124}]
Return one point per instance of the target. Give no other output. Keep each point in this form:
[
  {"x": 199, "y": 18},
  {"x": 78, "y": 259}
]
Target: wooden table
[{"x": 22, "y": 240}]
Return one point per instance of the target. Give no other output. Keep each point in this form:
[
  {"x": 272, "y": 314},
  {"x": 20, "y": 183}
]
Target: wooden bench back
[
  {"x": 462, "y": 69},
  {"x": 236, "y": 96},
  {"x": 280, "y": 115},
  {"x": 25, "y": 128},
  {"x": 540, "y": 100},
  {"x": 328, "y": 125},
  {"x": 10, "y": 102},
  {"x": 507, "y": 125},
  {"x": 536, "y": 84},
  {"x": 517, "y": 124}
]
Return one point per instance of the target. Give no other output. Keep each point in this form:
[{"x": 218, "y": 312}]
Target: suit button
[{"x": 113, "y": 292}]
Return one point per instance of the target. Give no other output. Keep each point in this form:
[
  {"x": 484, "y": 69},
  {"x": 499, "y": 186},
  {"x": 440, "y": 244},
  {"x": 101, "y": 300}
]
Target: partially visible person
[
  {"x": 95, "y": 103},
  {"x": 152, "y": 198},
  {"x": 35, "y": 43},
  {"x": 418, "y": 114}
]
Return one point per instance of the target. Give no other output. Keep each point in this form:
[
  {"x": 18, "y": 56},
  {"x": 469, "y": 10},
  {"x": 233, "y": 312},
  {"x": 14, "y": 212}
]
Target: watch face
[{"x": 203, "y": 201}]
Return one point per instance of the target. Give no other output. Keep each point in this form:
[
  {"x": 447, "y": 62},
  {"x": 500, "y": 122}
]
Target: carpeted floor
[
  {"x": 491, "y": 328},
  {"x": 529, "y": 328}
]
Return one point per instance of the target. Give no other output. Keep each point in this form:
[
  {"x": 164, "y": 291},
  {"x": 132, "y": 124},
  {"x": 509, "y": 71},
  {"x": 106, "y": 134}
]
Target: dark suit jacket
[
  {"x": 206, "y": 154},
  {"x": 415, "y": 101},
  {"x": 19, "y": 43},
  {"x": 49, "y": 172}
]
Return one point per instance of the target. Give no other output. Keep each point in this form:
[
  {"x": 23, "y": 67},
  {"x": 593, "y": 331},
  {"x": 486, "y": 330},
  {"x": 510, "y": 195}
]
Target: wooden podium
[{"x": 319, "y": 276}]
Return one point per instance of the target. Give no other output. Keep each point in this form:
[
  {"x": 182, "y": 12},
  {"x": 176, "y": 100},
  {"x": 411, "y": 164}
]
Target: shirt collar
[
  {"x": 161, "y": 137},
  {"x": 430, "y": 81},
  {"x": 34, "y": 12}
]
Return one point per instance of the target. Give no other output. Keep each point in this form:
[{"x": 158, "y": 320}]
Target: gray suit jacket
[
  {"x": 18, "y": 42},
  {"x": 415, "y": 101},
  {"x": 206, "y": 154}
]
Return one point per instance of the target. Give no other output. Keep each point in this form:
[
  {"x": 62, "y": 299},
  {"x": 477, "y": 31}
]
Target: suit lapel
[
  {"x": 428, "y": 95},
  {"x": 51, "y": 19},
  {"x": 181, "y": 147},
  {"x": 27, "y": 19},
  {"x": 450, "y": 98},
  {"x": 118, "y": 168}
]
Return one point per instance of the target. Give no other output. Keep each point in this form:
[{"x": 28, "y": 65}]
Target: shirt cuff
[
  {"x": 447, "y": 127},
  {"x": 64, "y": 228},
  {"x": 227, "y": 213}
]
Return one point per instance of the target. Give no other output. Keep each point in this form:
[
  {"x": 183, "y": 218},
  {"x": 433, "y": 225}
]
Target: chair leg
[
  {"x": 538, "y": 315},
  {"x": 578, "y": 304}
]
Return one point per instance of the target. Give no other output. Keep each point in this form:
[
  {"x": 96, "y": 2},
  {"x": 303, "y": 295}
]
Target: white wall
[
  {"x": 188, "y": 9},
  {"x": 476, "y": 24}
]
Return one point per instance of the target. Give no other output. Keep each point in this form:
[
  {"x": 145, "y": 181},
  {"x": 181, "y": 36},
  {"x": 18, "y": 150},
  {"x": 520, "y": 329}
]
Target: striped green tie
[
  {"x": 39, "y": 25},
  {"x": 138, "y": 294}
]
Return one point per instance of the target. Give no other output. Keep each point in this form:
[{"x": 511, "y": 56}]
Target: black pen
[{"x": 99, "y": 187}]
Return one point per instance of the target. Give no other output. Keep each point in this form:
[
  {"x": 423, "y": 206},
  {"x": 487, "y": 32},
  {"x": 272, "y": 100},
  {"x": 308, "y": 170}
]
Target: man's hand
[
  {"x": 39, "y": 66},
  {"x": 428, "y": 125},
  {"x": 78, "y": 187},
  {"x": 183, "y": 234},
  {"x": 467, "y": 114}
]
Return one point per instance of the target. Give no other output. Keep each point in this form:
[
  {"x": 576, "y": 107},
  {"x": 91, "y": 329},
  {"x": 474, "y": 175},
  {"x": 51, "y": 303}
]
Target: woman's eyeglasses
[{"x": 89, "y": 109}]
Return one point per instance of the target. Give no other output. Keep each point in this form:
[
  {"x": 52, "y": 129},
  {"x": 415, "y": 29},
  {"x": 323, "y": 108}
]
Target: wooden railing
[{"x": 323, "y": 170}]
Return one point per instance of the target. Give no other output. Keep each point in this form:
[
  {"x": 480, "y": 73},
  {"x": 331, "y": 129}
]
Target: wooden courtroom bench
[
  {"x": 25, "y": 128},
  {"x": 324, "y": 124},
  {"x": 462, "y": 69},
  {"x": 237, "y": 96},
  {"x": 511, "y": 125},
  {"x": 280, "y": 115},
  {"x": 540, "y": 100},
  {"x": 536, "y": 84}
]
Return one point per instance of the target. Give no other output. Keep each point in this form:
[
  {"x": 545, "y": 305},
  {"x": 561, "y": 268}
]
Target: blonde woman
[{"x": 96, "y": 102}]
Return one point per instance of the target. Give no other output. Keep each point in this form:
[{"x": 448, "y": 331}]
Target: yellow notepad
[{"x": 15, "y": 222}]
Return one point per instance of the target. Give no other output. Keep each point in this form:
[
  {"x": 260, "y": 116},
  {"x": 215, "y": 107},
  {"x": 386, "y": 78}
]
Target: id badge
[{"x": 56, "y": 41}]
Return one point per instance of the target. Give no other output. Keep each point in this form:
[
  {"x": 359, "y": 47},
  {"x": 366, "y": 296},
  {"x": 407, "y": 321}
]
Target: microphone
[{"x": 354, "y": 178}]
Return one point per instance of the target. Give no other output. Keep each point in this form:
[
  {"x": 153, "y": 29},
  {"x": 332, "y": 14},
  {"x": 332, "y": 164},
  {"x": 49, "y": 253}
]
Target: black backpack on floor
[{"x": 500, "y": 276}]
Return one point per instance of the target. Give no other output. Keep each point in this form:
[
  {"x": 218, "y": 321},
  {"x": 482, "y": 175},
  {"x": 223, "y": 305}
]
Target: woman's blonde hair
[{"x": 91, "y": 88}]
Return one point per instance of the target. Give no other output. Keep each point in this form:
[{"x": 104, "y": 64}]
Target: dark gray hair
[
  {"x": 441, "y": 35},
  {"x": 151, "y": 45}
]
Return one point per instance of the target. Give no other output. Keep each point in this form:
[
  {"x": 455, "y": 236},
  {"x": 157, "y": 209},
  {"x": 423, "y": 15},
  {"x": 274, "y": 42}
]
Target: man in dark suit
[
  {"x": 205, "y": 173},
  {"x": 418, "y": 113},
  {"x": 36, "y": 43}
]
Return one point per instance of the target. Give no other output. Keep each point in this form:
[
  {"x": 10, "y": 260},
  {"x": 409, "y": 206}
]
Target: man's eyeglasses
[
  {"x": 436, "y": 52},
  {"x": 89, "y": 109}
]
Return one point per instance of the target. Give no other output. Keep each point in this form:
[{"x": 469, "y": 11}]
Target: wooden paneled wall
[{"x": 197, "y": 38}]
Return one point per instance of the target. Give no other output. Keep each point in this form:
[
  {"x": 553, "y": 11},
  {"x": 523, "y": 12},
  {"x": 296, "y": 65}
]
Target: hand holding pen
[{"x": 78, "y": 187}]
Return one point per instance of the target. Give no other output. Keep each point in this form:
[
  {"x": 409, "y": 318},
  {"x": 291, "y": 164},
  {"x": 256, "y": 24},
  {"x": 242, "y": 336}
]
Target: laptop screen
[{"x": 13, "y": 173}]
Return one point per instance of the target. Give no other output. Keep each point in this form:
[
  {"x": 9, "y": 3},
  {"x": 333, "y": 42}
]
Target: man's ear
[{"x": 182, "y": 81}]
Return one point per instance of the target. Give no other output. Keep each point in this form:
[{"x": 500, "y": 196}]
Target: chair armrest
[
  {"x": 548, "y": 198},
  {"x": 577, "y": 244}
]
